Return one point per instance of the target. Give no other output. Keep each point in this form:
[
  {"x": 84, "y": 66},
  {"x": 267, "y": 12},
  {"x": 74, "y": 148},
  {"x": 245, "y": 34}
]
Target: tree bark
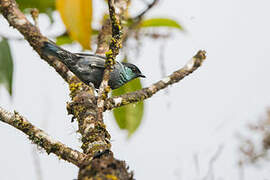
[{"x": 97, "y": 161}]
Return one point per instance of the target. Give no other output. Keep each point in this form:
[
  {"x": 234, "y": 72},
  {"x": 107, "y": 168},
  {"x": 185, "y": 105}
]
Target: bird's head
[{"x": 132, "y": 71}]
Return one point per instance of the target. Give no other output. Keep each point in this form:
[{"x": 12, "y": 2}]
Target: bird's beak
[{"x": 141, "y": 75}]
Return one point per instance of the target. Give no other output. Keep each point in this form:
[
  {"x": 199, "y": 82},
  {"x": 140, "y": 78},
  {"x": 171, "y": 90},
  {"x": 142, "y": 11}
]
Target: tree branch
[
  {"x": 147, "y": 92},
  {"x": 105, "y": 34},
  {"x": 115, "y": 46},
  {"x": 98, "y": 161},
  {"x": 95, "y": 137},
  {"x": 137, "y": 20},
  {"x": 40, "y": 138},
  {"x": 31, "y": 33},
  {"x": 149, "y": 6}
]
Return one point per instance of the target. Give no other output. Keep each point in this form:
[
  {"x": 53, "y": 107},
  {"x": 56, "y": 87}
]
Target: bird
[{"x": 89, "y": 68}]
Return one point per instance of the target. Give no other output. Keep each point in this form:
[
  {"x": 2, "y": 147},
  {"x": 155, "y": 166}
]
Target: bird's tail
[{"x": 50, "y": 48}]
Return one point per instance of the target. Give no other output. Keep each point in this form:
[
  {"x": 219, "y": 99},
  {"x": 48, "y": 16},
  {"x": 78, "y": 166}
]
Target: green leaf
[
  {"x": 63, "y": 39},
  {"x": 6, "y": 65},
  {"x": 44, "y": 6},
  {"x": 95, "y": 32},
  {"x": 161, "y": 22},
  {"x": 130, "y": 116},
  {"x": 41, "y": 5}
]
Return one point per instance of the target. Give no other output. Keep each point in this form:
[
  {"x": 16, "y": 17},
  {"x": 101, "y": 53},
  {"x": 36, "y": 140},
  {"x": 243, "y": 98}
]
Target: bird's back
[{"x": 91, "y": 68}]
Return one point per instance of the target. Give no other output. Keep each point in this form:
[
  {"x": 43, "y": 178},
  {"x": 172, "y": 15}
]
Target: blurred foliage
[
  {"x": 63, "y": 39},
  {"x": 6, "y": 66},
  {"x": 254, "y": 150},
  {"x": 77, "y": 17},
  {"x": 160, "y": 22},
  {"x": 44, "y": 6},
  {"x": 129, "y": 117},
  {"x": 41, "y": 5}
]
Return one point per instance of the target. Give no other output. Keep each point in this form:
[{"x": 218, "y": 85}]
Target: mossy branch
[
  {"x": 147, "y": 92},
  {"x": 31, "y": 33},
  {"x": 115, "y": 46},
  {"x": 40, "y": 138}
]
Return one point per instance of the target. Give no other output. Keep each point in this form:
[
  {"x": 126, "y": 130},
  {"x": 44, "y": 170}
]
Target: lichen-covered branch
[
  {"x": 97, "y": 160},
  {"x": 40, "y": 138},
  {"x": 105, "y": 34},
  {"x": 100, "y": 163},
  {"x": 83, "y": 107},
  {"x": 95, "y": 137},
  {"x": 104, "y": 37},
  {"x": 31, "y": 33},
  {"x": 115, "y": 46},
  {"x": 147, "y": 92}
]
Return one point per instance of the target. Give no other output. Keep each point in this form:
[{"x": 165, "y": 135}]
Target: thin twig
[
  {"x": 136, "y": 20},
  {"x": 35, "y": 13},
  {"x": 149, "y": 6},
  {"x": 214, "y": 158}
]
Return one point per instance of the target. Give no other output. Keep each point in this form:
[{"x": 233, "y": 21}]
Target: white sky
[{"x": 200, "y": 114}]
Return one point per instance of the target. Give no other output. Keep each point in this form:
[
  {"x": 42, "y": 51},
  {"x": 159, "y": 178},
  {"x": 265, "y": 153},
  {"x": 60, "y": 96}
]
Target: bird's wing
[
  {"x": 92, "y": 60},
  {"x": 90, "y": 55}
]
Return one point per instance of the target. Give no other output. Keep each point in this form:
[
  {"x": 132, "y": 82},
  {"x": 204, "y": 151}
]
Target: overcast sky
[{"x": 204, "y": 112}]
